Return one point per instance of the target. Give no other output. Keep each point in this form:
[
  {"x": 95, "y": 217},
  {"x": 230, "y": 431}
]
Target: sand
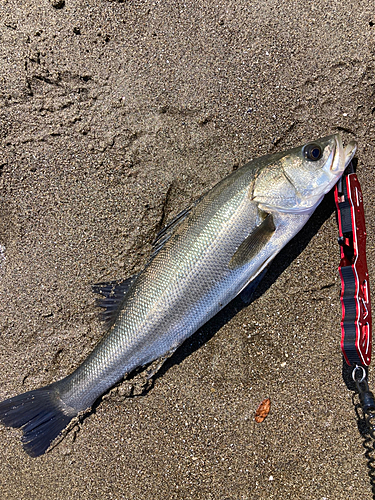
[{"x": 114, "y": 116}]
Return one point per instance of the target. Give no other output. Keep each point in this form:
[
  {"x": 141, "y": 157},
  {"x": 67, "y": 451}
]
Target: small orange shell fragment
[{"x": 263, "y": 410}]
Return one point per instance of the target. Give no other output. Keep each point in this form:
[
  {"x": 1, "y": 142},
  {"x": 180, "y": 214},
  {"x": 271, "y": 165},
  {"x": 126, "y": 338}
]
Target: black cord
[{"x": 365, "y": 411}]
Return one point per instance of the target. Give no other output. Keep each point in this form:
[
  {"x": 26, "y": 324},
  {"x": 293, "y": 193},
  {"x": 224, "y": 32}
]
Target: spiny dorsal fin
[
  {"x": 254, "y": 243},
  {"x": 163, "y": 236},
  {"x": 114, "y": 293}
]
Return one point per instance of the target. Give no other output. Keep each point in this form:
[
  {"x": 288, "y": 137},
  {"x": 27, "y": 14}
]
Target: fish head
[{"x": 296, "y": 180}]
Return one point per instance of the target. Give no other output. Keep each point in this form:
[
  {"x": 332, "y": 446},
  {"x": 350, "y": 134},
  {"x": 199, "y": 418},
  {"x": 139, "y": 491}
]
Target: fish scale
[{"x": 206, "y": 257}]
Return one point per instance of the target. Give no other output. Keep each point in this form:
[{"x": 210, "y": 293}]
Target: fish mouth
[
  {"x": 342, "y": 156},
  {"x": 349, "y": 152}
]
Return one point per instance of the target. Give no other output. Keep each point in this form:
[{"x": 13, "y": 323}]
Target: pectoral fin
[{"x": 254, "y": 243}]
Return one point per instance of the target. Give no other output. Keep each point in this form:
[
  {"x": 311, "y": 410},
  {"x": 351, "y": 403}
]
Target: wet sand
[{"x": 114, "y": 116}]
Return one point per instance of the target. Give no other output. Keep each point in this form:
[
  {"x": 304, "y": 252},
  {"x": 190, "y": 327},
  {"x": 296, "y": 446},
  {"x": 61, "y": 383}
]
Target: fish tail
[{"x": 41, "y": 415}]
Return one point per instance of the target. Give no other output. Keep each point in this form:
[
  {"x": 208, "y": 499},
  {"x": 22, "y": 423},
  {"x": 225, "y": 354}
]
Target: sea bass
[{"x": 207, "y": 256}]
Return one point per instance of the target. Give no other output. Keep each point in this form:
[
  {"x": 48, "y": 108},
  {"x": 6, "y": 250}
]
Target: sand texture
[{"x": 114, "y": 116}]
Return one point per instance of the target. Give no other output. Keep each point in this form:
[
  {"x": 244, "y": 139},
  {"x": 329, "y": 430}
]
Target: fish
[{"x": 211, "y": 252}]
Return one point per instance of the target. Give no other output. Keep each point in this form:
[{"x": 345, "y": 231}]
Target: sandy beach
[{"x": 115, "y": 116}]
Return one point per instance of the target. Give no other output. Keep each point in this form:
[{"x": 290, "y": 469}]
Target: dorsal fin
[
  {"x": 114, "y": 294},
  {"x": 163, "y": 236}
]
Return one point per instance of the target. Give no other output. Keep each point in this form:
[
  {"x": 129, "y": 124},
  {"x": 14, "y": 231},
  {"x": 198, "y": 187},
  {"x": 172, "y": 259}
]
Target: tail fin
[{"x": 41, "y": 416}]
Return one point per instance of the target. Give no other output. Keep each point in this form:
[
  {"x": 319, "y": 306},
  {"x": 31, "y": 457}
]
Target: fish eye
[{"x": 312, "y": 152}]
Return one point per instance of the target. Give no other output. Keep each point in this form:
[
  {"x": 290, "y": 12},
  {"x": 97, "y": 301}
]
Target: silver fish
[{"x": 201, "y": 261}]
